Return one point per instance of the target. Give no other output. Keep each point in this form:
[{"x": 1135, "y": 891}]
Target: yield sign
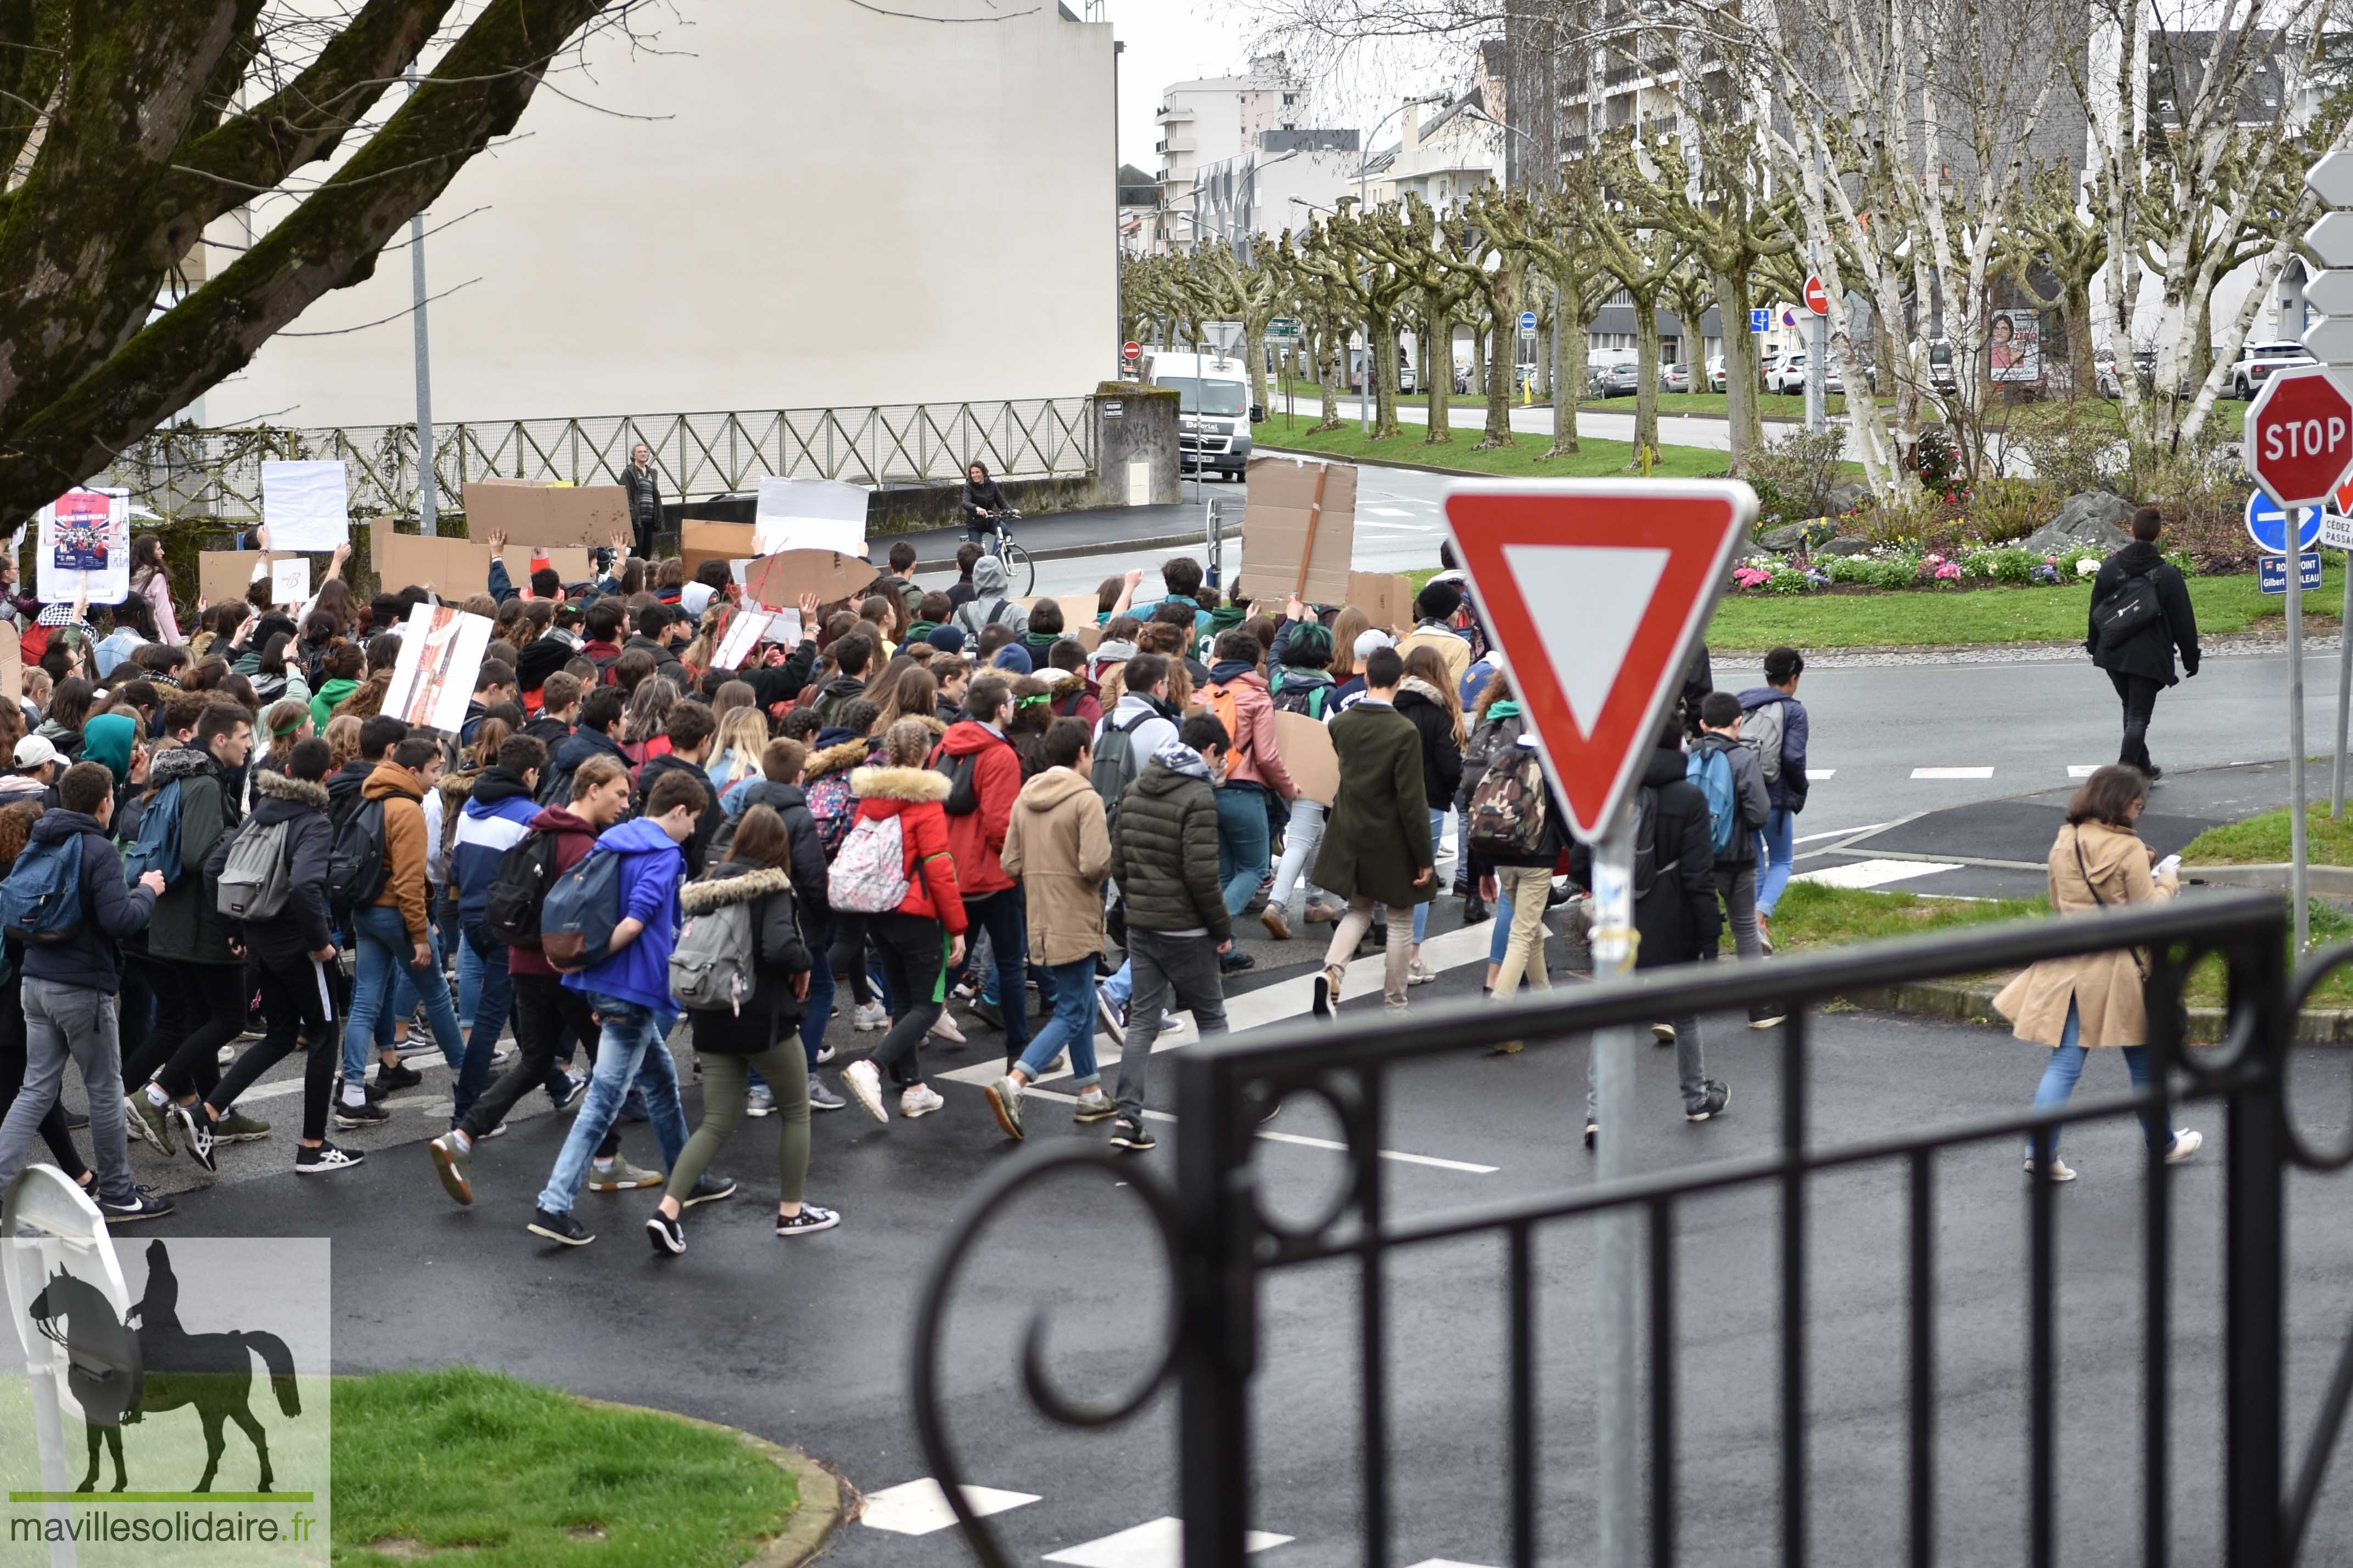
[{"x": 1597, "y": 591}]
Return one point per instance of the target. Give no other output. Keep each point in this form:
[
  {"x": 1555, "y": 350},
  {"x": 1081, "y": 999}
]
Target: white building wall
[{"x": 831, "y": 208}]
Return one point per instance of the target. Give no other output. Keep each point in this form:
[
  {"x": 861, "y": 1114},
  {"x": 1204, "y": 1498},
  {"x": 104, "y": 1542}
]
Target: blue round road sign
[
  {"x": 2267, "y": 525},
  {"x": 1527, "y": 320}
]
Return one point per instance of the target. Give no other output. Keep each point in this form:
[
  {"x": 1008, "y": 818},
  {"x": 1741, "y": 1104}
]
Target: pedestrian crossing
[{"x": 1874, "y": 873}]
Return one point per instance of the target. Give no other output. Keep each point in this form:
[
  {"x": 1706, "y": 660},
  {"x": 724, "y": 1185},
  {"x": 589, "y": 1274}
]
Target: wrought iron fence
[
  {"x": 215, "y": 475},
  {"x": 1223, "y": 1242}
]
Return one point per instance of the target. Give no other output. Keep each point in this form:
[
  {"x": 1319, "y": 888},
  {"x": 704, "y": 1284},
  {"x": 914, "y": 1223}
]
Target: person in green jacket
[
  {"x": 342, "y": 667},
  {"x": 1382, "y": 807}
]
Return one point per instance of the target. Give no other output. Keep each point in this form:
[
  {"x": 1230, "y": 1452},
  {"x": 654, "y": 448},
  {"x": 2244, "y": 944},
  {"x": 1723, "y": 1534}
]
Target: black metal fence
[{"x": 1223, "y": 1241}]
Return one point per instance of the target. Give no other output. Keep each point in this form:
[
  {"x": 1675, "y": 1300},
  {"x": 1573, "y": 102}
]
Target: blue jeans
[
  {"x": 385, "y": 952},
  {"x": 819, "y": 1010},
  {"x": 629, "y": 1049},
  {"x": 1421, "y": 910},
  {"x": 1072, "y": 1025},
  {"x": 2058, "y": 1083},
  {"x": 1779, "y": 843},
  {"x": 1000, "y": 914},
  {"x": 1502, "y": 937},
  {"x": 1120, "y": 985},
  {"x": 1244, "y": 842}
]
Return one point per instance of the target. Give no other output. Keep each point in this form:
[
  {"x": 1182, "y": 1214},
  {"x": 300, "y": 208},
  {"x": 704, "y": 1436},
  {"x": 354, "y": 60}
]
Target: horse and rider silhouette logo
[{"x": 119, "y": 1374}]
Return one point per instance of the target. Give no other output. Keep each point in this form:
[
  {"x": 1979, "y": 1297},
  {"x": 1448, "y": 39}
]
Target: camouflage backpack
[{"x": 1508, "y": 809}]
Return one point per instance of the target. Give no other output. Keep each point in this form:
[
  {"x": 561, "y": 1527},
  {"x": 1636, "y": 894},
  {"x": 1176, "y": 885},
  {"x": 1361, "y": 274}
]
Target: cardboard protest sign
[
  {"x": 778, "y": 581},
  {"x": 702, "y": 542},
  {"x": 440, "y": 653},
  {"x": 290, "y": 581},
  {"x": 454, "y": 568},
  {"x": 809, "y": 514},
  {"x": 1386, "y": 597},
  {"x": 1299, "y": 529},
  {"x": 1078, "y": 616},
  {"x": 306, "y": 505},
  {"x": 743, "y": 633},
  {"x": 12, "y": 664},
  {"x": 85, "y": 548},
  {"x": 587, "y": 515},
  {"x": 1305, "y": 746},
  {"x": 224, "y": 574}
]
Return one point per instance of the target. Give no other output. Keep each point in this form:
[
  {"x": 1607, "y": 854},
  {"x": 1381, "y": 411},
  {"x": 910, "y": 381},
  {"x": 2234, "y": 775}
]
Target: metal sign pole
[
  {"x": 2296, "y": 875},
  {"x": 1615, "y": 1352},
  {"x": 2344, "y": 688}
]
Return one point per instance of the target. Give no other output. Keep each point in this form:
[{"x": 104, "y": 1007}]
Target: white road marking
[
  {"x": 1159, "y": 1544},
  {"x": 1814, "y": 775},
  {"x": 1872, "y": 873},
  {"x": 1843, "y": 832},
  {"x": 1448, "y": 1561},
  {"x": 1952, "y": 773},
  {"x": 2082, "y": 770},
  {"x": 1431, "y": 1160},
  {"x": 921, "y": 1506}
]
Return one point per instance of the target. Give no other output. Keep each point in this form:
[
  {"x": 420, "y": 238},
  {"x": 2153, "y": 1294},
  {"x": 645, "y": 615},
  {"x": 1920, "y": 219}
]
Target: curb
[
  {"x": 2273, "y": 876},
  {"x": 821, "y": 1509},
  {"x": 1971, "y": 1001},
  {"x": 1387, "y": 463},
  {"x": 1072, "y": 552}
]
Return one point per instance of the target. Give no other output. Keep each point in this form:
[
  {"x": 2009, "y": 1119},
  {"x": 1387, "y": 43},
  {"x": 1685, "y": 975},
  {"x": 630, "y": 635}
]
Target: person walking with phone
[{"x": 2141, "y": 615}]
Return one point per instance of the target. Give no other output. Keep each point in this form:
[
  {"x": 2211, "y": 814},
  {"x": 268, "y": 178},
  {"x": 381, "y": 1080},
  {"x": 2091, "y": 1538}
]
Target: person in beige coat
[
  {"x": 2096, "y": 1000},
  {"x": 1058, "y": 850}
]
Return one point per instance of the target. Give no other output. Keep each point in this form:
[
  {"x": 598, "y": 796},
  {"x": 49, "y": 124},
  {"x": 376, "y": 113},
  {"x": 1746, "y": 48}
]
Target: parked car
[
  {"x": 1718, "y": 381},
  {"x": 1940, "y": 366},
  {"x": 1833, "y": 382},
  {"x": 2262, "y": 362},
  {"x": 1786, "y": 373},
  {"x": 1674, "y": 378},
  {"x": 1621, "y": 380}
]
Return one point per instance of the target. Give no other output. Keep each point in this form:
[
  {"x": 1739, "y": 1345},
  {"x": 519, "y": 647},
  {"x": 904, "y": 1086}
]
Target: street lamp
[{"x": 1364, "y": 158}]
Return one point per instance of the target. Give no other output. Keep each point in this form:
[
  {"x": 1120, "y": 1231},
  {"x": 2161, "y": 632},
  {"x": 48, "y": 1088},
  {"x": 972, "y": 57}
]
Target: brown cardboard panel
[
  {"x": 12, "y": 664},
  {"x": 1288, "y": 545},
  {"x": 589, "y": 515},
  {"x": 702, "y": 542},
  {"x": 1078, "y": 610},
  {"x": 224, "y": 574},
  {"x": 778, "y": 581},
  {"x": 1306, "y": 748},
  {"x": 571, "y": 561},
  {"x": 1386, "y": 597},
  {"x": 451, "y": 568}
]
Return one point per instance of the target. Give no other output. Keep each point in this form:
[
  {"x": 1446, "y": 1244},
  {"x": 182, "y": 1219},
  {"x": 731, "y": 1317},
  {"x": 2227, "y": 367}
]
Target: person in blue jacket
[
  {"x": 1774, "y": 726},
  {"x": 629, "y": 993}
]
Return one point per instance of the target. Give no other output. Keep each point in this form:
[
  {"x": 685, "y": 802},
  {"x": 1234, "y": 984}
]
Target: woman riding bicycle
[{"x": 983, "y": 501}]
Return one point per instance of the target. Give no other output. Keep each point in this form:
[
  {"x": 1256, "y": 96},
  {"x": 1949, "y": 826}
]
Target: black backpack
[
  {"x": 527, "y": 869},
  {"x": 964, "y": 781},
  {"x": 2130, "y": 606},
  {"x": 355, "y": 868},
  {"x": 1647, "y": 870},
  {"x": 1115, "y": 765}
]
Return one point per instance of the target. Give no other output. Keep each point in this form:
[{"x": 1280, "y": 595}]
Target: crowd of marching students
[{"x": 936, "y": 795}]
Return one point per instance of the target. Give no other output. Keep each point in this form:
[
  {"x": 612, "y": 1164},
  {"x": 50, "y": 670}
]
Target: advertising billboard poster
[
  {"x": 85, "y": 548},
  {"x": 2014, "y": 350}
]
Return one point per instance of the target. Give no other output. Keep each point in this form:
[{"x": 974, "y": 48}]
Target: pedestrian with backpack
[
  {"x": 2140, "y": 616},
  {"x": 984, "y": 776},
  {"x": 1137, "y": 728},
  {"x": 896, "y": 880},
  {"x": 195, "y": 809},
  {"x": 626, "y": 979},
  {"x": 1774, "y": 725},
  {"x": 498, "y": 813},
  {"x": 597, "y": 735},
  {"x": 66, "y": 902},
  {"x": 1513, "y": 838},
  {"x": 991, "y": 605},
  {"x": 742, "y": 971},
  {"x": 1255, "y": 776},
  {"x": 1738, "y": 806},
  {"x": 1301, "y": 684},
  {"x": 549, "y": 1020},
  {"x": 1675, "y": 914},
  {"x": 1432, "y": 701},
  {"x": 376, "y": 871},
  {"x": 1377, "y": 848},
  {"x": 273, "y": 889},
  {"x": 1496, "y": 723},
  {"x": 1059, "y": 849}
]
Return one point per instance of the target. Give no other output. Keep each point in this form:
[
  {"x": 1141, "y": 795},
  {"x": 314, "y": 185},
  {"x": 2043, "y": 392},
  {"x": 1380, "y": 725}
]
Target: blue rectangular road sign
[
  {"x": 2271, "y": 571},
  {"x": 1760, "y": 319}
]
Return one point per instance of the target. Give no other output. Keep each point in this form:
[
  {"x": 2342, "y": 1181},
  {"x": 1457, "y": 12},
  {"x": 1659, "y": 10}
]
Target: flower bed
[{"x": 1896, "y": 567}]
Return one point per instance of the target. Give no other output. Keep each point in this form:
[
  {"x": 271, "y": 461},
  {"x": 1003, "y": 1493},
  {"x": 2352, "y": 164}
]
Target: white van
[{"x": 1214, "y": 410}]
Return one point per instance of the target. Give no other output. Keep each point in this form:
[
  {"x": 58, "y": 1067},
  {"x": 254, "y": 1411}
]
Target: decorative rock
[
  {"x": 1845, "y": 544},
  {"x": 2093, "y": 518},
  {"x": 1794, "y": 535},
  {"x": 1843, "y": 499}
]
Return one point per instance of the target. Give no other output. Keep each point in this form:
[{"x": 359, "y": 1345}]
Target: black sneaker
[
  {"x": 196, "y": 1131},
  {"x": 1714, "y": 1097},
  {"x": 325, "y": 1160},
  {"x": 1237, "y": 961},
  {"x": 1591, "y": 1130},
  {"x": 368, "y": 1115},
  {"x": 666, "y": 1234},
  {"x": 989, "y": 1012},
  {"x": 388, "y": 1080},
  {"x": 562, "y": 1227},
  {"x": 809, "y": 1221},
  {"x": 1763, "y": 1017},
  {"x": 144, "y": 1205},
  {"x": 1474, "y": 911},
  {"x": 1129, "y": 1132},
  {"x": 709, "y": 1189}
]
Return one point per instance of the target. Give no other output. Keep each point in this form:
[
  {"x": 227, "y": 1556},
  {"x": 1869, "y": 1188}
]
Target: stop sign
[
  {"x": 2300, "y": 436},
  {"x": 1818, "y": 298}
]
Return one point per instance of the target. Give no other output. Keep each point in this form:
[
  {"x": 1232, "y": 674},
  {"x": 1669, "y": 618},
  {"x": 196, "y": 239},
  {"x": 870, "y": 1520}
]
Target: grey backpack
[
  {"x": 1760, "y": 731},
  {"x": 711, "y": 967},
  {"x": 256, "y": 877}
]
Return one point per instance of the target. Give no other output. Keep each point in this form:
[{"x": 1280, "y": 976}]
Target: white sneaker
[
  {"x": 2057, "y": 1171},
  {"x": 920, "y": 1100},
  {"x": 870, "y": 1018},
  {"x": 1418, "y": 974},
  {"x": 865, "y": 1086},
  {"x": 825, "y": 1054},
  {"x": 945, "y": 1029},
  {"x": 2185, "y": 1143}
]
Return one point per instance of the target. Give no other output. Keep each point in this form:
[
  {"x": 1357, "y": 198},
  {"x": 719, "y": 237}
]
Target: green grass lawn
[
  {"x": 2262, "y": 839},
  {"x": 1522, "y": 459},
  {"x": 501, "y": 1474},
  {"x": 1707, "y": 404},
  {"x": 1927, "y": 618}
]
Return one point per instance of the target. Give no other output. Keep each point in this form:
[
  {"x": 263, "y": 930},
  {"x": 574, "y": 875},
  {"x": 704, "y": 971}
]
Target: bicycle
[{"x": 1021, "y": 571}]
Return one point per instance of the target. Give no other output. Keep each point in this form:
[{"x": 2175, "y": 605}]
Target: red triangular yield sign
[{"x": 1597, "y": 591}]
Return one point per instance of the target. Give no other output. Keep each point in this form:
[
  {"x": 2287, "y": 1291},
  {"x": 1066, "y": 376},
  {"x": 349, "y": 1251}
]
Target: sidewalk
[{"x": 1057, "y": 536}]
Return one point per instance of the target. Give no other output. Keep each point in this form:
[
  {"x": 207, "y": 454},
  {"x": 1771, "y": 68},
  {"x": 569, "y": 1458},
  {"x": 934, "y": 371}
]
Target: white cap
[
  {"x": 1371, "y": 639},
  {"x": 695, "y": 597},
  {"x": 35, "y": 752}
]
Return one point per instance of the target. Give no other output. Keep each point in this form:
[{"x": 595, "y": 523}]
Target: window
[{"x": 1289, "y": 99}]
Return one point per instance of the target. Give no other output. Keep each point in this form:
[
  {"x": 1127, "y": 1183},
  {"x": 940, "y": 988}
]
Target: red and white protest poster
[{"x": 441, "y": 651}]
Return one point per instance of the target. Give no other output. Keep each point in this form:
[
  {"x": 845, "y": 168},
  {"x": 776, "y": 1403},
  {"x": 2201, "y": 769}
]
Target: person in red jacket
[
  {"x": 923, "y": 937},
  {"x": 984, "y": 773}
]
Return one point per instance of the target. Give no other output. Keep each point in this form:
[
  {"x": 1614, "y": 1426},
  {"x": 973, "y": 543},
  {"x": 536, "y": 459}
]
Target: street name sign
[
  {"x": 2268, "y": 524},
  {"x": 2331, "y": 240},
  {"x": 2300, "y": 436},
  {"x": 2330, "y": 293},
  {"x": 2271, "y": 573},
  {"x": 1818, "y": 297},
  {"x": 1597, "y": 591},
  {"x": 2330, "y": 339},
  {"x": 2331, "y": 180}
]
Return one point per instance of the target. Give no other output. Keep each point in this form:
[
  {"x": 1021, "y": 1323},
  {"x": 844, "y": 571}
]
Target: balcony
[
  {"x": 1175, "y": 144},
  {"x": 1169, "y": 112}
]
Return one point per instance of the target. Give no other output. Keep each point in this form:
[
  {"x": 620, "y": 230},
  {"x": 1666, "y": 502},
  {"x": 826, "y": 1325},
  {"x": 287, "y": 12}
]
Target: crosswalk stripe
[
  {"x": 2082, "y": 770},
  {"x": 921, "y": 1506},
  {"x": 1952, "y": 773},
  {"x": 1159, "y": 1544},
  {"x": 1872, "y": 873}
]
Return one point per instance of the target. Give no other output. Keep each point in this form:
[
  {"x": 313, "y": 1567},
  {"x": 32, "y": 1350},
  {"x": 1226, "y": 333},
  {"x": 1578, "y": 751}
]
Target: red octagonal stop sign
[{"x": 2300, "y": 436}]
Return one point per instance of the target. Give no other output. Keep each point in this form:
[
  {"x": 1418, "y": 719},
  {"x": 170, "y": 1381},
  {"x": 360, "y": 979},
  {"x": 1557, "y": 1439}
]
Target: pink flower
[{"x": 1948, "y": 572}]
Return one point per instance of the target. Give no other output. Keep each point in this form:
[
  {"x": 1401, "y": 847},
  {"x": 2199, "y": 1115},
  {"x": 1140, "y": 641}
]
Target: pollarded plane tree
[{"x": 127, "y": 127}]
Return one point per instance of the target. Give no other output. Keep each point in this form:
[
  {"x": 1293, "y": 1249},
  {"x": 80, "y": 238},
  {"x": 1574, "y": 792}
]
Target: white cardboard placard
[
  {"x": 809, "y": 514},
  {"x": 441, "y": 649},
  {"x": 290, "y": 581},
  {"x": 306, "y": 505}
]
